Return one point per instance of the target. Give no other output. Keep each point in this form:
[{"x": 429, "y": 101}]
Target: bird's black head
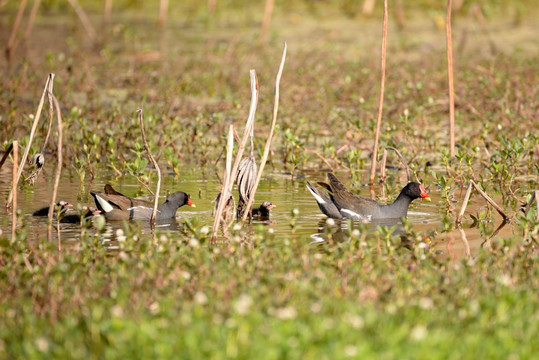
[
  {"x": 180, "y": 199},
  {"x": 415, "y": 190}
]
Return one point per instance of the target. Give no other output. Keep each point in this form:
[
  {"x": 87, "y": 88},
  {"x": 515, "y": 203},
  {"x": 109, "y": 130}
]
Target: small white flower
[
  {"x": 205, "y": 230},
  {"x": 499, "y": 126},
  {"x": 419, "y": 332},
  {"x": 296, "y": 211},
  {"x": 350, "y": 350},
  {"x": 243, "y": 304},
  {"x": 355, "y": 233},
  {"x": 330, "y": 222},
  {"x": 237, "y": 227},
  {"x": 271, "y": 231},
  {"x": 426, "y": 303},
  {"x": 356, "y": 321},
  {"x": 154, "y": 308},
  {"x": 287, "y": 312},
  {"x": 194, "y": 243},
  {"x": 42, "y": 344},
  {"x": 406, "y": 112},
  {"x": 117, "y": 311},
  {"x": 201, "y": 298}
]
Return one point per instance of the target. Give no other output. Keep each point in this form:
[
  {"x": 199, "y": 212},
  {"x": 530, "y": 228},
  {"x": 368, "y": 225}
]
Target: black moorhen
[
  {"x": 88, "y": 212},
  {"x": 263, "y": 211},
  {"x": 60, "y": 206},
  {"x": 339, "y": 202},
  {"x": 120, "y": 207}
]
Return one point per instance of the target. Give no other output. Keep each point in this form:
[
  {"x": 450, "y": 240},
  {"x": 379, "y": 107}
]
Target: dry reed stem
[
  {"x": 485, "y": 196},
  {"x": 150, "y": 156},
  {"x": 6, "y": 155},
  {"x": 403, "y": 162},
  {"x": 58, "y": 173},
  {"x": 84, "y": 20},
  {"x": 163, "y": 8},
  {"x": 368, "y": 7},
  {"x": 321, "y": 158},
  {"x": 381, "y": 103},
  {"x": 450, "y": 79},
  {"x": 270, "y": 136},
  {"x": 10, "y": 48},
  {"x": 212, "y": 5},
  {"x": 106, "y": 13},
  {"x": 14, "y": 189},
  {"x": 383, "y": 166},
  {"x": 51, "y": 116},
  {"x": 48, "y": 85},
  {"x": 464, "y": 241},
  {"x": 225, "y": 194},
  {"x": 241, "y": 147},
  {"x": 268, "y": 11},
  {"x": 527, "y": 207},
  {"x": 31, "y": 19}
]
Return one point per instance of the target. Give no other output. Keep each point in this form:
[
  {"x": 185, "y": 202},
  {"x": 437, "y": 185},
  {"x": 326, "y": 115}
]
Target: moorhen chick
[
  {"x": 87, "y": 213},
  {"x": 263, "y": 211},
  {"x": 116, "y": 206},
  {"x": 340, "y": 203},
  {"x": 61, "y": 207}
]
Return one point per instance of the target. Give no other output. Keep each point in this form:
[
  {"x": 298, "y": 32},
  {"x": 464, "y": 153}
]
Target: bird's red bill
[
  {"x": 423, "y": 193},
  {"x": 190, "y": 203}
]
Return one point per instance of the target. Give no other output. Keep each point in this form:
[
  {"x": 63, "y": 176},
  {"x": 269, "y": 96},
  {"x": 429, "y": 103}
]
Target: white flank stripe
[
  {"x": 352, "y": 215},
  {"x": 141, "y": 207},
  {"x": 316, "y": 196},
  {"x": 104, "y": 204}
]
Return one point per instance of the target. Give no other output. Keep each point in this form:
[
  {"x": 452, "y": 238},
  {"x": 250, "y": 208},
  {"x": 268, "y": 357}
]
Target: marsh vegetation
[{"x": 296, "y": 285}]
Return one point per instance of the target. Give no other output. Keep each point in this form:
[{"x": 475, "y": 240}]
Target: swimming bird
[
  {"x": 339, "y": 202},
  {"x": 263, "y": 211},
  {"x": 117, "y": 206},
  {"x": 61, "y": 206}
]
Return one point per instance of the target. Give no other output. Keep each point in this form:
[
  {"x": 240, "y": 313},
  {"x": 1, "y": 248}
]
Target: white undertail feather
[
  {"x": 316, "y": 196},
  {"x": 104, "y": 204}
]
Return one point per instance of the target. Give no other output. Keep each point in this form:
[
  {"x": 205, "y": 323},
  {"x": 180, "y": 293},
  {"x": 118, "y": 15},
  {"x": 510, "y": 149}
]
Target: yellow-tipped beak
[{"x": 427, "y": 198}]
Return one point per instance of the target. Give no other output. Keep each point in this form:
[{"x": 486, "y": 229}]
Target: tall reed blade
[
  {"x": 48, "y": 88},
  {"x": 155, "y": 164},
  {"x": 381, "y": 102},
  {"x": 15, "y": 146},
  {"x": 450, "y": 79},
  {"x": 270, "y": 136}
]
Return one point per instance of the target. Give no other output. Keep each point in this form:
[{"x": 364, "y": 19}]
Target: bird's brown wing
[{"x": 344, "y": 199}]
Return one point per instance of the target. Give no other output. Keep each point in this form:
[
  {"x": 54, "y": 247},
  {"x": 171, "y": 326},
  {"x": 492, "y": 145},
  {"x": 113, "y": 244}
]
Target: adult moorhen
[
  {"x": 61, "y": 207},
  {"x": 263, "y": 211},
  {"x": 116, "y": 206},
  {"x": 340, "y": 203}
]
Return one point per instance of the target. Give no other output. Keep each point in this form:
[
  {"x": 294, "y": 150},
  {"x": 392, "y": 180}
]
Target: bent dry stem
[
  {"x": 270, "y": 136},
  {"x": 472, "y": 184},
  {"x": 155, "y": 164}
]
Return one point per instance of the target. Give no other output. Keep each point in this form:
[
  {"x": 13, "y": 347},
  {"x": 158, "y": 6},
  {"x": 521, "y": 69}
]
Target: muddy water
[{"x": 279, "y": 188}]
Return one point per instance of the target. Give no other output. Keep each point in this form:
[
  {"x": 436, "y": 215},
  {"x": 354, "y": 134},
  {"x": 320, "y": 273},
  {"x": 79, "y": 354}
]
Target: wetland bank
[{"x": 296, "y": 285}]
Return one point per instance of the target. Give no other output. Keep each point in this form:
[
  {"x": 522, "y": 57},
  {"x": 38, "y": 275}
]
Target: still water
[{"x": 282, "y": 189}]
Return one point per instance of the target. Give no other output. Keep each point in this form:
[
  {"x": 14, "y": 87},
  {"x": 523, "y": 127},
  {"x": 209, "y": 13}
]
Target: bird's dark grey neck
[{"x": 399, "y": 207}]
